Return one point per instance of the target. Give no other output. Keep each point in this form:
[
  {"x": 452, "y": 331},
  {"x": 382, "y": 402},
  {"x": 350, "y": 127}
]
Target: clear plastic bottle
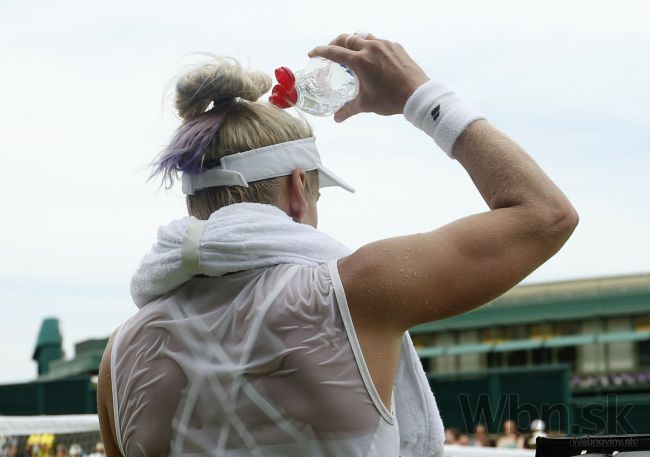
[
  {"x": 324, "y": 87},
  {"x": 321, "y": 88}
]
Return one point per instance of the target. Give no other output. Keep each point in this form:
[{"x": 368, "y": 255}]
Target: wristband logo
[{"x": 435, "y": 114}]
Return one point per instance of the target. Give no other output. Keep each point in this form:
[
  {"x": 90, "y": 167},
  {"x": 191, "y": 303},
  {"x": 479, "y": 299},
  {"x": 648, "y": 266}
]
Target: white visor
[{"x": 263, "y": 163}]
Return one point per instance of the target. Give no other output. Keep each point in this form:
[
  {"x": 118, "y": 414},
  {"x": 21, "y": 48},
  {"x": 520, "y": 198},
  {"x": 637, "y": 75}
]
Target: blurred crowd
[
  {"x": 511, "y": 437},
  {"x": 44, "y": 445},
  {"x": 599, "y": 381}
]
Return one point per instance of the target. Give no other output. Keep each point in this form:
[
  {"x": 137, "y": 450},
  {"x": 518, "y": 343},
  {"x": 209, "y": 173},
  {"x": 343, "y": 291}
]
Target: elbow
[
  {"x": 568, "y": 223},
  {"x": 572, "y": 218},
  {"x": 560, "y": 220}
]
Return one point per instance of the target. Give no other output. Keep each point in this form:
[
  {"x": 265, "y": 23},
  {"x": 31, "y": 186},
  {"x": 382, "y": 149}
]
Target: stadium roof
[{"x": 548, "y": 302}]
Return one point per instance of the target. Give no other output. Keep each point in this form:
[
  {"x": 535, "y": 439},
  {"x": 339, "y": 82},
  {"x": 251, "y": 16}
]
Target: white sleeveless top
[{"x": 263, "y": 362}]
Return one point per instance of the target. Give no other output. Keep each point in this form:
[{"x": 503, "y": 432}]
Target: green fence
[
  {"x": 75, "y": 395},
  {"x": 611, "y": 414},
  {"x": 523, "y": 394},
  {"x": 491, "y": 397}
]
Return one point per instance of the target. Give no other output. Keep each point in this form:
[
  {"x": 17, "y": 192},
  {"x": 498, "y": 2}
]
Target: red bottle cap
[{"x": 284, "y": 94}]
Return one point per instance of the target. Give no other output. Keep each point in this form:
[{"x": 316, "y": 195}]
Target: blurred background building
[
  {"x": 574, "y": 353},
  {"x": 63, "y": 386}
]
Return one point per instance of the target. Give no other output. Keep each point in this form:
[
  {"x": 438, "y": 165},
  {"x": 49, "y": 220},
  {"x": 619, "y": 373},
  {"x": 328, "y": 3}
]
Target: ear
[{"x": 297, "y": 196}]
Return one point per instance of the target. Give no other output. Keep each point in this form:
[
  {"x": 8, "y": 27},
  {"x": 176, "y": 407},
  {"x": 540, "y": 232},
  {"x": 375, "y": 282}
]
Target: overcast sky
[{"x": 83, "y": 111}]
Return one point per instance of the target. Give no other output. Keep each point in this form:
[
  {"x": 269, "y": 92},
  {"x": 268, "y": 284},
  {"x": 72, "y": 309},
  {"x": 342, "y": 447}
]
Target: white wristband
[{"x": 440, "y": 113}]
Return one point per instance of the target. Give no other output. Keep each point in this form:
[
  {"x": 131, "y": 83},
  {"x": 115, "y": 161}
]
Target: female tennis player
[{"x": 257, "y": 334}]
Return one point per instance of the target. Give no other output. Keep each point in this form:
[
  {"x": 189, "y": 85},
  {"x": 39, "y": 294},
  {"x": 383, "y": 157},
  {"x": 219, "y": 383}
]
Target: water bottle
[{"x": 321, "y": 88}]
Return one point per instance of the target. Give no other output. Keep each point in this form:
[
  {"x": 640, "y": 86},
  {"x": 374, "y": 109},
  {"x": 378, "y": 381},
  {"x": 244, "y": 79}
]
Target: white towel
[{"x": 244, "y": 236}]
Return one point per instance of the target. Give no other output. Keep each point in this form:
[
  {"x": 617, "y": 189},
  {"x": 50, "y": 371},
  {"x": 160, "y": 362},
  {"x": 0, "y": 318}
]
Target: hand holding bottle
[{"x": 387, "y": 74}]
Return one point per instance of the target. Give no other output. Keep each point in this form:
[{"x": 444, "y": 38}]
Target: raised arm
[{"x": 396, "y": 283}]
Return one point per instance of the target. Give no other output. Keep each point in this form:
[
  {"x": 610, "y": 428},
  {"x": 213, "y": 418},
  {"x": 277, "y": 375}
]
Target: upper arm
[
  {"x": 400, "y": 282},
  {"x": 105, "y": 404}
]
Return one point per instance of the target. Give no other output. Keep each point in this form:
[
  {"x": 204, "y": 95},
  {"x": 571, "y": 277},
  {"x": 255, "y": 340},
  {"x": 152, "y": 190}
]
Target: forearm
[{"x": 505, "y": 175}]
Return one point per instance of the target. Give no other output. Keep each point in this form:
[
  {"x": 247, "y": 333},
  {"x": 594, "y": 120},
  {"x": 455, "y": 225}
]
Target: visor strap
[{"x": 192, "y": 183}]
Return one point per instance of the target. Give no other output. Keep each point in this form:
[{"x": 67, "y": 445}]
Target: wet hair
[{"x": 218, "y": 102}]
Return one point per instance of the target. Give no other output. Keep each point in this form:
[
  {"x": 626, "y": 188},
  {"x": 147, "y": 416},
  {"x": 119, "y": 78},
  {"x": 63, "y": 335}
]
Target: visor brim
[{"x": 328, "y": 179}]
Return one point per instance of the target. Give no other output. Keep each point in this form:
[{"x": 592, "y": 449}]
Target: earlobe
[{"x": 298, "y": 200}]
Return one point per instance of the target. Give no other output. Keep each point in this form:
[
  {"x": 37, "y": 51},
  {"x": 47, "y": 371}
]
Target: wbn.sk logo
[{"x": 602, "y": 417}]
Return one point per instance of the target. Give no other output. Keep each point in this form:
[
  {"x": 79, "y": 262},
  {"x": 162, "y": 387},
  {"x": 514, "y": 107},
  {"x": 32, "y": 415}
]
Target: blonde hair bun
[{"x": 220, "y": 81}]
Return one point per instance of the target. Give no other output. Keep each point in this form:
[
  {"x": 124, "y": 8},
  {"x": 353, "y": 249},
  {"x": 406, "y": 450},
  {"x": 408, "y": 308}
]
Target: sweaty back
[{"x": 263, "y": 362}]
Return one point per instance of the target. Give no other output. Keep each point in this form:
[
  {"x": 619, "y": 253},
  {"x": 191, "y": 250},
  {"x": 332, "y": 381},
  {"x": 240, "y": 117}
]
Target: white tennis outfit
[
  {"x": 244, "y": 346},
  {"x": 263, "y": 362}
]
